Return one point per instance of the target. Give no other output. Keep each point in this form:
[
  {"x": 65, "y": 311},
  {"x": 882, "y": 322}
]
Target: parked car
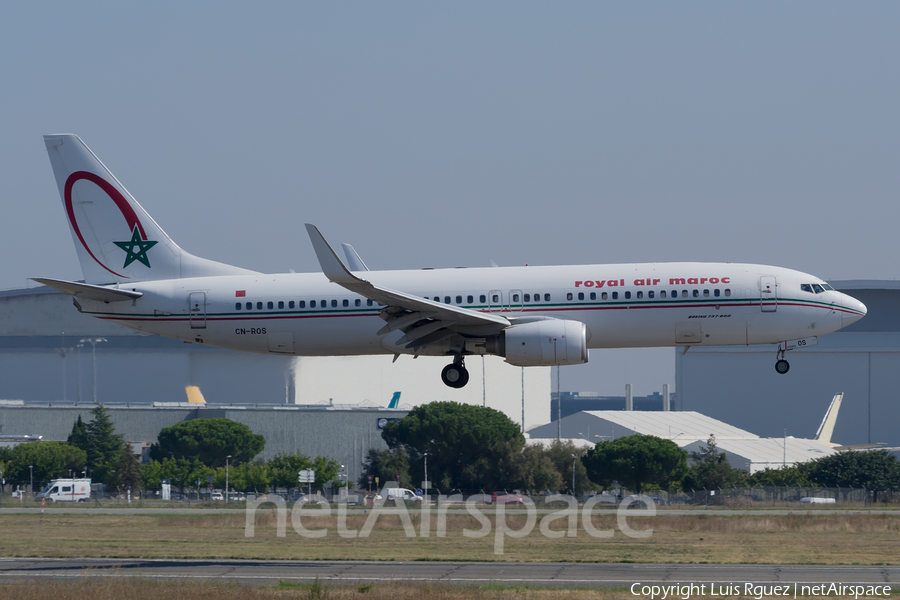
[
  {"x": 505, "y": 498},
  {"x": 217, "y": 497}
]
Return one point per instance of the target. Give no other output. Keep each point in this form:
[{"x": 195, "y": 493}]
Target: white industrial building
[
  {"x": 690, "y": 430},
  {"x": 739, "y": 384},
  {"x": 49, "y": 352}
]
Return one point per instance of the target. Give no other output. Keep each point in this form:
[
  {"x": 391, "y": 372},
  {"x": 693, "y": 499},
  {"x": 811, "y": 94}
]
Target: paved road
[
  {"x": 571, "y": 575},
  {"x": 661, "y": 512}
]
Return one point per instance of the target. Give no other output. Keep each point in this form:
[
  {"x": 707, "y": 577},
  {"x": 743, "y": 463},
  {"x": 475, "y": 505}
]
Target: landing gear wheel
[
  {"x": 455, "y": 375},
  {"x": 782, "y": 366}
]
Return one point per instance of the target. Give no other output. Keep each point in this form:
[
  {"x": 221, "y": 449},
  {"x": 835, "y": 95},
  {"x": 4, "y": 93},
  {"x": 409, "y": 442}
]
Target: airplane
[{"x": 137, "y": 276}]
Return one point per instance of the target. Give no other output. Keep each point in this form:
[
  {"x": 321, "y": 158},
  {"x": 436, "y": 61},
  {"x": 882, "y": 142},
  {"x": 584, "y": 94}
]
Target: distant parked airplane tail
[
  {"x": 395, "y": 400},
  {"x": 116, "y": 240}
]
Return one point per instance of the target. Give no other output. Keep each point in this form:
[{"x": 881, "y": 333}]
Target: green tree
[
  {"x": 560, "y": 452},
  {"x": 385, "y": 464},
  {"x": 460, "y": 440},
  {"x": 210, "y": 441},
  {"x": 874, "y": 470},
  {"x": 710, "y": 469},
  {"x": 128, "y": 471},
  {"x": 636, "y": 460},
  {"x": 101, "y": 443},
  {"x": 285, "y": 467},
  {"x": 180, "y": 472},
  {"x": 791, "y": 476},
  {"x": 51, "y": 460}
]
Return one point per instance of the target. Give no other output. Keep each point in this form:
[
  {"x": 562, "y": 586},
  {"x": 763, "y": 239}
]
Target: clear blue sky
[{"x": 450, "y": 134}]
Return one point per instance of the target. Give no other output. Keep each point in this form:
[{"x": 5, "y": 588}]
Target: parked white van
[
  {"x": 67, "y": 490},
  {"x": 399, "y": 494}
]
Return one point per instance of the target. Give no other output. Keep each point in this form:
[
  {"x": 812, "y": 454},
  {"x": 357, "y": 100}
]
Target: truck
[{"x": 66, "y": 490}]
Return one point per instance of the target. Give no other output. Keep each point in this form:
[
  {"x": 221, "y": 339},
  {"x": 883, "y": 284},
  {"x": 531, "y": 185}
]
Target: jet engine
[{"x": 546, "y": 342}]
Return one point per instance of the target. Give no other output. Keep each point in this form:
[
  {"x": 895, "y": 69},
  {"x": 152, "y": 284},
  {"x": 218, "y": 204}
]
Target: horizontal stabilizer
[{"x": 88, "y": 291}]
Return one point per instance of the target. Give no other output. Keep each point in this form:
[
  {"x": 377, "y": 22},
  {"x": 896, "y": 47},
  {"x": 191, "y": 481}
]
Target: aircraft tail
[
  {"x": 395, "y": 400},
  {"x": 826, "y": 428},
  {"x": 117, "y": 241}
]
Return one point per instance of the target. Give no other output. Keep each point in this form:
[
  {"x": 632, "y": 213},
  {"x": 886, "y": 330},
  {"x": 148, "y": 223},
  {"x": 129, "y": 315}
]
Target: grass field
[
  {"x": 136, "y": 589},
  {"x": 817, "y": 538}
]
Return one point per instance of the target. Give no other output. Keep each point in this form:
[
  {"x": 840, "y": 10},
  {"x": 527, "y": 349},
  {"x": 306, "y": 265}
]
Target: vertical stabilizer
[
  {"x": 194, "y": 395},
  {"x": 116, "y": 240},
  {"x": 826, "y": 429},
  {"x": 395, "y": 400}
]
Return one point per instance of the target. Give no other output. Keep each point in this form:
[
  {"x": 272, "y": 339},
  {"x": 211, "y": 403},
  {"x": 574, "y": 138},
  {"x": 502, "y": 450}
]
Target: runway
[{"x": 560, "y": 575}]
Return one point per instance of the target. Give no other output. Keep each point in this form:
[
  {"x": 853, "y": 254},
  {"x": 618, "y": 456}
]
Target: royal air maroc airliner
[{"x": 135, "y": 275}]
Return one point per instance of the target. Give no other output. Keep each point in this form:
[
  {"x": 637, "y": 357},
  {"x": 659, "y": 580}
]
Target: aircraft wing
[
  {"x": 409, "y": 311},
  {"x": 88, "y": 291}
]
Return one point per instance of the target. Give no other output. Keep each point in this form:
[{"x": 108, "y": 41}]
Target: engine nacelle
[{"x": 547, "y": 342}]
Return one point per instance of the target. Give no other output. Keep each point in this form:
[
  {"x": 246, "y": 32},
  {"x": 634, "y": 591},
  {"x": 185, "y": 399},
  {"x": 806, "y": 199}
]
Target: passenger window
[
  {"x": 291, "y": 304},
  {"x": 805, "y": 287},
  {"x": 446, "y": 299},
  {"x": 470, "y": 299},
  {"x": 302, "y": 304},
  {"x": 674, "y": 293},
  {"x": 281, "y": 304},
  {"x": 615, "y": 295},
  {"x": 684, "y": 293},
  {"x": 727, "y": 291},
  {"x": 662, "y": 294},
  {"x": 495, "y": 298},
  {"x": 369, "y": 302},
  {"x": 312, "y": 303},
  {"x": 717, "y": 292},
  {"x": 482, "y": 298},
  {"x": 437, "y": 298},
  {"x": 696, "y": 294},
  {"x": 604, "y": 296},
  {"x": 249, "y": 306},
  {"x": 323, "y": 303},
  {"x": 515, "y": 298},
  {"x": 569, "y": 296},
  {"x": 237, "y": 306},
  {"x": 345, "y": 303},
  {"x": 628, "y": 295},
  {"x": 593, "y": 295},
  {"x": 334, "y": 304},
  {"x": 706, "y": 293},
  {"x": 259, "y": 306},
  {"x": 650, "y": 294},
  {"x": 640, "y": 295},
  {"x": 581, "y": 295},
  {"x": 527, "y": 297},
  {"x": 357, "y": 302},
  {"x": 459, "y": 299},
  {"x": 546, "y": 297}
]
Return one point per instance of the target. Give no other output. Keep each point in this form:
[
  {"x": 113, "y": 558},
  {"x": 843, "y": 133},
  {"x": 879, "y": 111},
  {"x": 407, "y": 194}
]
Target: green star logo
[{"x": 136, "y": 249}]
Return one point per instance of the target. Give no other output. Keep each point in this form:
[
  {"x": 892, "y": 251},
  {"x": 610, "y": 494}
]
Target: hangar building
[
  {"x": 690, "y": 430},
  {"x": 739, "y": 384}
]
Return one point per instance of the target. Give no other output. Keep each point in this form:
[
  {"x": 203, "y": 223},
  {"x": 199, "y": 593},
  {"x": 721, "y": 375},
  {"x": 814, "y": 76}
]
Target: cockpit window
[
  {"x": 827, "y": 287},
  {"x": 818, "y": 288},
  {"x": 805, "y": 287}
]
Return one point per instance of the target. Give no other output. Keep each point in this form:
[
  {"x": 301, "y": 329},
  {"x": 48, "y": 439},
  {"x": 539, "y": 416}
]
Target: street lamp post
[
  {"x": 573, "y": 475},
  {"x": 31, "y": 477},
  {"x": 93, "y": 342},
  {"x": 426, "y": 474},
  {"x": 226, "y": 478}
]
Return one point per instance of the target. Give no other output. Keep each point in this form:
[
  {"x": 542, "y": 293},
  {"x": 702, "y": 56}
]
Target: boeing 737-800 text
[{"x": 135, "y": 275}]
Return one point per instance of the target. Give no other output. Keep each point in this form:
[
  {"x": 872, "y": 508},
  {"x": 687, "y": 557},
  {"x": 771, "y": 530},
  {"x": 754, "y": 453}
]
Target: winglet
[
  {"x": 353, "y": 260},
  {"x": 332, "y": 267}
]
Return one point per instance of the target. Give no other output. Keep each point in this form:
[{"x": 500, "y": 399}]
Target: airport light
[{"x": 93, "y": 342}]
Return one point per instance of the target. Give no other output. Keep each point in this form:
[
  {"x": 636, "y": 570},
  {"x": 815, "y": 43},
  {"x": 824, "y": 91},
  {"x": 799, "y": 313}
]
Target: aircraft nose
[{"x": 854, "y": 310}]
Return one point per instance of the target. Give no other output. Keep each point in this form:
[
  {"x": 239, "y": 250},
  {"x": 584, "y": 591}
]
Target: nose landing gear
[
  {"x": 782, "y": 366},
  {"x": 455, "y": 375}
]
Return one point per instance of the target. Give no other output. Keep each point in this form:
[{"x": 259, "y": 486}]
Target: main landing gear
[{"x": 455, "y": 375}]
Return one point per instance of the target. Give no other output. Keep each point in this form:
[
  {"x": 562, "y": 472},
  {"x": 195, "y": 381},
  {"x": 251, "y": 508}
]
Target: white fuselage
[{"x": 626, "y": 305}]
